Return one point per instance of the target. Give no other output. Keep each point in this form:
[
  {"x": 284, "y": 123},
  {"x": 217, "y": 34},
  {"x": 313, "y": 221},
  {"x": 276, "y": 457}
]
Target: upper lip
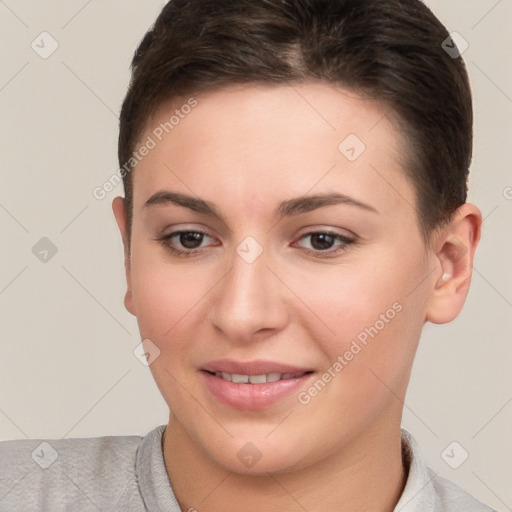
[{"x": 256, "y": 367}]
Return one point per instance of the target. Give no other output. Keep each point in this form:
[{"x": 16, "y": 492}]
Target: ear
[
  {"x": 119, "y": 209},
  {"x": 454, "y": 250}
]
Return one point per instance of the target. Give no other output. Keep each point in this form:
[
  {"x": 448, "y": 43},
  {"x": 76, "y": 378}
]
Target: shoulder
[
  {"x": 87, "y": 473},
  {"x": 451, "y": 497}
]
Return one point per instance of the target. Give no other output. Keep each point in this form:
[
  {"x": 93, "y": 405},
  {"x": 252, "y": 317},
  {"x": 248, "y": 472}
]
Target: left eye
[{"x": 323, "y": 241}]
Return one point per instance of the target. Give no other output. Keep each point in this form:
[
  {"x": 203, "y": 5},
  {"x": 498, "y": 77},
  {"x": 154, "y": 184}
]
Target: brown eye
[
  {"x": 322, "y": 243},
  {"x": 190, "y": 239},
  {"x": 183, "y": 243}
]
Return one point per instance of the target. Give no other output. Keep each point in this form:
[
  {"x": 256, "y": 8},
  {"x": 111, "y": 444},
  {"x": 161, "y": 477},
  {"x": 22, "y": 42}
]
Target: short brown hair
[{"x": 390, "y": 50}]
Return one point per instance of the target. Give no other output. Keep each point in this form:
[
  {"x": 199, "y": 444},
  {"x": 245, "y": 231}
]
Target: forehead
[{"x": 252, "y": 144}]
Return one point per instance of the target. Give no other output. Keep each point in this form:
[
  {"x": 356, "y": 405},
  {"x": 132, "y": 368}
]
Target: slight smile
[{"x": 253, "y": 385}]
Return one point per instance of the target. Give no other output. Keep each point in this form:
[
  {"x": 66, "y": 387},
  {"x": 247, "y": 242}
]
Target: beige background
[{"x": 67, "y": 367}]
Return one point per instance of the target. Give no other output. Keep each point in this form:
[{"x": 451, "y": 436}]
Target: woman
[{"x": 294, "y": 213}]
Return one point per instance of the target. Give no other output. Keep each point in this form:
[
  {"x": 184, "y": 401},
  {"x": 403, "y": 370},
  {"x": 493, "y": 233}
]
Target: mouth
[
  {"x": 239, "y": 378},
  {"x": 253, "y": 385}
]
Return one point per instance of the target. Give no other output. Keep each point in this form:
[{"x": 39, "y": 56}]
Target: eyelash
[{"x": 322, "y": 254}]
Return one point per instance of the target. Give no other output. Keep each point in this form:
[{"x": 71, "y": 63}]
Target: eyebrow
[{"x": 287, "y": 208}]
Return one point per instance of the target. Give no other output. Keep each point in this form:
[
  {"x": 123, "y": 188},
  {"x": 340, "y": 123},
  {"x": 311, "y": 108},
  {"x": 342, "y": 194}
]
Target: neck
[{"x": 369, "y": 475}]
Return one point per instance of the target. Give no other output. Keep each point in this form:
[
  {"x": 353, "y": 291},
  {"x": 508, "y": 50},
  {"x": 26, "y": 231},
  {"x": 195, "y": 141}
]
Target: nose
[{"x": 249, "y": 302}]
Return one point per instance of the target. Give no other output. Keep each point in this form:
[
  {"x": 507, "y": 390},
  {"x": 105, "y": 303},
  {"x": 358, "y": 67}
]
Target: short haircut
[{"x": 387, "y": 50}]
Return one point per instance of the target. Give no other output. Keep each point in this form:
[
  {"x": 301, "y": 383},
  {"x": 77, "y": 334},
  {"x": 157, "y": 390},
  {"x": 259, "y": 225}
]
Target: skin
[{"x": 246, "y": 149}]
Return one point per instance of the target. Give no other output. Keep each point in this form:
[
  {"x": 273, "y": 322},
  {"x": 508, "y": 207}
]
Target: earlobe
[
  {"x": 119, "y": 209},
  {"x": 128, "y": 301},
  {"x": 455, "y": 247}
]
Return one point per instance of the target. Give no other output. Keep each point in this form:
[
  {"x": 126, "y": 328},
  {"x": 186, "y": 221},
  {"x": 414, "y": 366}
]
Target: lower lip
[{"x": 251, "y": 397}]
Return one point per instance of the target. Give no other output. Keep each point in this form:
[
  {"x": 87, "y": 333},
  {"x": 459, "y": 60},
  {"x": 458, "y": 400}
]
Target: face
[{"x": 278, "y": 268}]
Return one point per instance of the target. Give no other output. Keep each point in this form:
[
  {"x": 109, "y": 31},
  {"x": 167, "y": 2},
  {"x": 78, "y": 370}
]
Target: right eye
[{"x": 183, "y": 242}]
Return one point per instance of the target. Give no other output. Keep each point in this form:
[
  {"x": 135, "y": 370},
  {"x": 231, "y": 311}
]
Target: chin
[{"x": 260, "y": 457}]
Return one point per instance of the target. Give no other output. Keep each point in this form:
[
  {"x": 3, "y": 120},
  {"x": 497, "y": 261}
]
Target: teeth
[
  {"x": 256, "y": 379},
  {"x": 239, "y": 378}
]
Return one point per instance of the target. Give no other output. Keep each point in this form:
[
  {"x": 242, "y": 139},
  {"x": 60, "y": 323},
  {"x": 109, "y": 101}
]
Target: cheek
[
  {"x": 348, "y": 299},
  {"x": 366, "y": 321},
  {"x": 163, "y": 292},
  {"x": 169, "y": 300}
]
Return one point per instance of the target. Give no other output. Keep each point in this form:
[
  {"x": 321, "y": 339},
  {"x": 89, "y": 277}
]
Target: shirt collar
[
  {"x": 418, "y": 495},
  {"x": 151, "y": 473}
]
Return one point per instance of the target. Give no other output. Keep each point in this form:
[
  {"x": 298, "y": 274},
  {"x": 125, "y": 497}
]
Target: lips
[{"x": 253, "y": 385}]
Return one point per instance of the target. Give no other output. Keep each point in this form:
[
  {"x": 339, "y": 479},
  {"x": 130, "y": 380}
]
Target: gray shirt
[{"x": 127, "y": 474}]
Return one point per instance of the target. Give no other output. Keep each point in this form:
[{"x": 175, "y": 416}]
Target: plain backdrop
[{"x": 67, "y": 367}]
